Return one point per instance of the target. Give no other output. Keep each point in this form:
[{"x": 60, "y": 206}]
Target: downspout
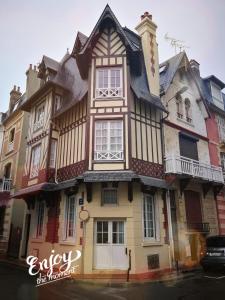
[{"x": 129, "y": 265}]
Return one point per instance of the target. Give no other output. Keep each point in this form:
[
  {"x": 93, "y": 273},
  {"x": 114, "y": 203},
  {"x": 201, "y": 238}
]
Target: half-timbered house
[{"x": 94, "y": 161}]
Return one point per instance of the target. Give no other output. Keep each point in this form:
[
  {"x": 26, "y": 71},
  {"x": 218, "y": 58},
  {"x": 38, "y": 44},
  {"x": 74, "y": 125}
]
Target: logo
[{"x": 46, "y": 269}]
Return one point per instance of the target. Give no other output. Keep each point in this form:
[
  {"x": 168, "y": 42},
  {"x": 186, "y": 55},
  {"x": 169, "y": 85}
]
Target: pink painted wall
[{"x": 213, "y": 135}]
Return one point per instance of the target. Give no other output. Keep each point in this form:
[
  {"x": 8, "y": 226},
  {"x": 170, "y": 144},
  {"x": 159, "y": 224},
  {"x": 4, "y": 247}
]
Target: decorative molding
[
  {"x": 37, "y": 138},
  {"x": 147, "y": 168},
  {"x": 71, "y": 171}
]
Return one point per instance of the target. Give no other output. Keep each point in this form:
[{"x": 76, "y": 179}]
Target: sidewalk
[{"x": 110, "y": 282}]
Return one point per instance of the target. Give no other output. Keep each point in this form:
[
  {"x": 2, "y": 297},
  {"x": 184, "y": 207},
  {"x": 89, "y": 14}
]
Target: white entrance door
[{"x": 110, "y": 249}]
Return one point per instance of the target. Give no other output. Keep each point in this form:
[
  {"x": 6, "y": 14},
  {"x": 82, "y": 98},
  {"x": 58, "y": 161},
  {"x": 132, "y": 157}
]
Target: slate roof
[
  {"x": 50, "y": 63},
  {"x": 104, "y": 176},
  {"x": 171, "y": 66}
]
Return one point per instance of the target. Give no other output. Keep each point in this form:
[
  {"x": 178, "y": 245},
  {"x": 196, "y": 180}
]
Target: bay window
[
  {"x": 35, "y": 161},
  {"x": 109, "y": 140},
  {"x": 149, "y": 222},
  {"x": 70, "y": 218},
  {"x": 108, "y": 82}
]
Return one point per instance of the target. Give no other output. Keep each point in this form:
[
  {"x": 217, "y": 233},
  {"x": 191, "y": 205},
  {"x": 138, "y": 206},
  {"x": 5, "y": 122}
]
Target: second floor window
[
  {"x": 109, "y": 140},
  {"x": 53, "y": 153},
  {"x": 11, "y": 139},
  {"x": 70, "y": 218},
  {"x": 39, "y": 117},
  {"x": 188, "y": 110},
  {"x": 108, "y": 83},
  {"x": 179, "y": 105},
  {"x": 35, "y": 161}
]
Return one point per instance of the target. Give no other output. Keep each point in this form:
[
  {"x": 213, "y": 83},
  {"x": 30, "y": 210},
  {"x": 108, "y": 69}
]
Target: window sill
[
  {"x": 109, "y": 98},
  {"x": 109, "y": 161},
  {"x": 151, "y": 243},
  {"x": 68, "y": 243},
  {"x": 185, "y": 122},
  {"x": 37, "y": 240}
]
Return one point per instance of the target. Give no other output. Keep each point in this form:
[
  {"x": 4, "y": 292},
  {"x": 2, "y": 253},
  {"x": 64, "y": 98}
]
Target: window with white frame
[
  {"x": 109, "y": 140},
  {"x": 53, "y": 153},
  {"x": 40, "y": 213},
  {"x": 149, "y": 222},
  {"x": 35, "y": 161},
  {"x": 70, "y": 218},
  {"x": 39, "y": 116},
  {"x": 221, "y": 127},
  {"x": 108, "y": 82},
  {"x": 109, "y": 196},
  {"x": 217, "y": 95},
  {"x": 57, "y": 103}
]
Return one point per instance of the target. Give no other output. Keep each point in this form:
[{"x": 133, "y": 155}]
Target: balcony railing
[
  {"x": 198, "y": 227},
  {"x": 182, "y": 165},
  {"x": 5, "y": 184},
  {"x": 108, "y": 92},
  {"x": 38, "y": 124},
  {"x": 34, "y": 171},
  {"x": 10, "y": 146},
  {"x": 108, "y": 155}
]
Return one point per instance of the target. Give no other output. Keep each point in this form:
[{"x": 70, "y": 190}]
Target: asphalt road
[{"x": 17, "y": 284}]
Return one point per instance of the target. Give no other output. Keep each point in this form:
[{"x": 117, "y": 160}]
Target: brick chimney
[
  {"x": 15, "y": 94},
  {"x": 195, "y": 67},
  {"x": 33, "y": 82},
  {"x": 147, "y": 30}
]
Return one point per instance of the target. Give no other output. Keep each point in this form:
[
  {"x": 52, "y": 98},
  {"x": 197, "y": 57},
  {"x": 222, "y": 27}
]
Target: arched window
[
  {"x": 187, "y": 104},
  {"x": 7, "y": 171},
  {"x": 179, "y": 105}
]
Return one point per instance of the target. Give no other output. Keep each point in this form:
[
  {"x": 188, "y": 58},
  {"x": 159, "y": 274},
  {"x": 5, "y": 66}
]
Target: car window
[{"x": 216, "y": 242}]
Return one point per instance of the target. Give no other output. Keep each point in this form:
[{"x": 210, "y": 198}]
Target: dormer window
[
  {"x": 217, "y": 95},
  {"x": 187, "y": 104},
  {"x": 57, "y": 103},
  {"x": 108, "y": 83},
  {"x": 39, "y": 116}
]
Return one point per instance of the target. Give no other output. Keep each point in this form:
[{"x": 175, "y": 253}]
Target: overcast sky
[{"x": 31, "y": 28}]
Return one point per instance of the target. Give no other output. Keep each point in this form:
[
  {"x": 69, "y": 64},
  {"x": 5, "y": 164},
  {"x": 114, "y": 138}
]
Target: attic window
[
  {"x": 162, "y": 68},
  {"x": 217, "y": 95}
]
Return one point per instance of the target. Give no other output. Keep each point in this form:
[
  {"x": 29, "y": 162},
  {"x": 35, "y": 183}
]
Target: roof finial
[{"x": 67, "y": 51}]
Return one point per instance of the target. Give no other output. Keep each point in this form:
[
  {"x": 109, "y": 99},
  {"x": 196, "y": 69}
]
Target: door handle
[{"x": 126, "y": 250}]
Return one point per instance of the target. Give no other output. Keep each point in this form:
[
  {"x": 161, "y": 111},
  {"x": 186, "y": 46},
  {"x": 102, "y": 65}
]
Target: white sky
[{"x": 31, "y": 28}]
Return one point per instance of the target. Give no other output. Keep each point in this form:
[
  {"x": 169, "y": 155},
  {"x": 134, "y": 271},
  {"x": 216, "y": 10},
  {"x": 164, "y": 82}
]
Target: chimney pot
[
  {"x": 146, "y": 14},
  {"x": 18, "y": 89},
  {"x": 14, "y": 87}
]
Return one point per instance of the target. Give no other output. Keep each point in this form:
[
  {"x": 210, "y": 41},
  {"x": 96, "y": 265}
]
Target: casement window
[
  {"x": 179, "y": 105},
  {"x": 187, "y": 104},
  {"x": 53, "y": 150},
  {"x": 109, "y": 196},
  {"x": 222, "y": 156},
  {"x": 149, "y": 220},
  {"x": 40, "y": 213},
  {"x": 221, "y": 127},
  {"x": 11, "y": 139},
  {"x": 39, "y": 117},
  {"x": 109, "y": 140},
  {"x": 188, "y": 147},
  {"x": 35, "y": 161},
  {"x": 70, "y": 218},
  {"x": 57, "y": 103},
  {"x": 109, "y": 83},
  {"x": 217, "y": 95}
]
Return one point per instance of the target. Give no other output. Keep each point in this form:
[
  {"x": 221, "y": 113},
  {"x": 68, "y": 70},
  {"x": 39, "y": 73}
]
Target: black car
[{"x": 215, "y": 253}]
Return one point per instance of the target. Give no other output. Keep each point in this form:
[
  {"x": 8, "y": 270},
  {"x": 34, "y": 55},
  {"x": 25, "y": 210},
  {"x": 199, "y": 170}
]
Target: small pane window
[
  {"x": 102, "y": 232},
  {"x": 109, "y": 196},
  {"x": 40, "y": 209},
  {"x": 149, "y": 217},
  {"x": 118, "y": 232},
  {"x": 35, "y": 161},
  {"x": 108, "y": 82},
  {"x": 70, "y": 218}
]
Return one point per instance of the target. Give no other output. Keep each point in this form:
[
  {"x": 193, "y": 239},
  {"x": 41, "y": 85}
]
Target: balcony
[
  {"x": 182, "y": 165},
  {"x": 198, "y": 227},
  {"x": 5, "y": 184},
  {"x": 38, "y": 124},
  {"x": 108, "y": 92},
  {"x": 108, "y": 155}
]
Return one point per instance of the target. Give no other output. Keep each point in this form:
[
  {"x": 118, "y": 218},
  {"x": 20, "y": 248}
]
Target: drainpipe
[
  {"x": 170, "y": 230},
  {"x": 129, "y": 265}
]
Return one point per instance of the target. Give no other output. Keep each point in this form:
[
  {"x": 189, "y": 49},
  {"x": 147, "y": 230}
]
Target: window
[
  {"x": 40, "y": 210},
  {"x": 188, "y": 110},
  {"x": 35, "y": 161},
  {"x": 149, "y": 217},
  {"x": 11, "y": 139},
  {"x": 188, "y": 147},
  {"x": 108, "y": 83},
  {"x": 53, "y": 153},
  {"x": 222, "y": 156},
  {"x": 57, "y": 103},
  {"x": 109, "y": 196},
  {"x": 221, "y": 127},
  {"x": 39, "y": 117},
  {"x": 70, "y": 218},
  {"x": 217, "y": 95},
  {"x": 179, "y": 105},
  {"x": 109, "y": 140}
]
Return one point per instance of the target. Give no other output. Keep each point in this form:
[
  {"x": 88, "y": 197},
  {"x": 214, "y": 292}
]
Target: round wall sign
[{"x": 84, "y": 215}]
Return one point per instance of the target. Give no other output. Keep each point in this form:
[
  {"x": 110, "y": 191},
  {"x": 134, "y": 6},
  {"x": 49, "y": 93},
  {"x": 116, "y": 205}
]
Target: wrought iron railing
[
  {"x": 198, "y": 227},
  {"x": 108, "y": 155},
  {"x": 5, "y": 184},
  {"x": 182, "y": 165},
  {"x": 108, "y": 92}
]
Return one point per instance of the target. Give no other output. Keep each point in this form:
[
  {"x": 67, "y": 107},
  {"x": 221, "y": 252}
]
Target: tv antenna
[{"x": 176, "y": 44}]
